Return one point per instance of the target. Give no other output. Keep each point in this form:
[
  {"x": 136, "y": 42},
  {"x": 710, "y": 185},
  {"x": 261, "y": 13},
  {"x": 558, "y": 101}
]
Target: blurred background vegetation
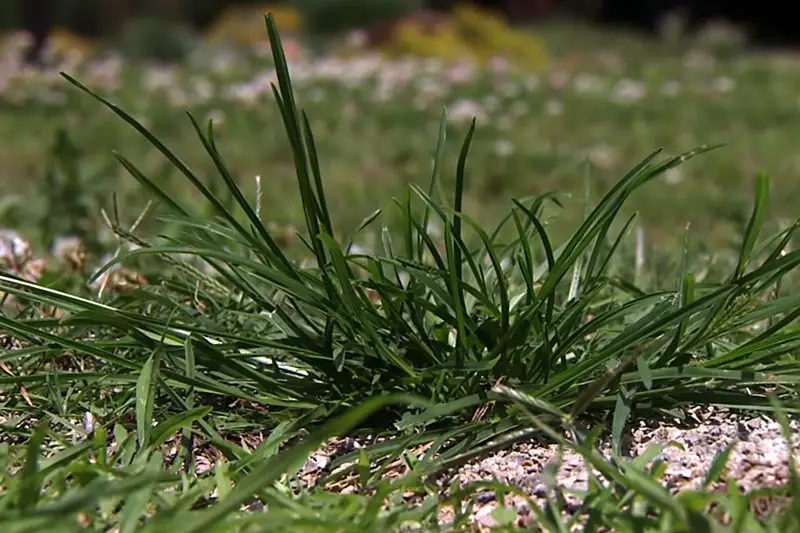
[
  {"x": 107, "y": 17},
  {"x": 95, "y": 18},
  {"x": 573, "y": 91},
  {"x": 164, "y": 29}
]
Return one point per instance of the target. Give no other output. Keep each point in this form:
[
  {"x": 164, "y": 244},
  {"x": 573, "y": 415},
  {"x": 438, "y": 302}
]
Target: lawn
[
  {"x": 194, "y": 387},
  {"x": 610, "y": 100}
]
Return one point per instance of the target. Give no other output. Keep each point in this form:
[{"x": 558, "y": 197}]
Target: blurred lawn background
[{"x": 560, "y": 106}]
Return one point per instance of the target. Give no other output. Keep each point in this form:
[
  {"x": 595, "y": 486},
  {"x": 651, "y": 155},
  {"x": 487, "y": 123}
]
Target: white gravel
[{"x": 759, "y": 460}]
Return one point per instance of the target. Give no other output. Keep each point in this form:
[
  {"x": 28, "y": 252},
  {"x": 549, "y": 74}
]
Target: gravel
[{"x": 759, "y": 460}]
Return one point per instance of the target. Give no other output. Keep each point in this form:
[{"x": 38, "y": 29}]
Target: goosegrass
[{"x": 457, "y": 344}]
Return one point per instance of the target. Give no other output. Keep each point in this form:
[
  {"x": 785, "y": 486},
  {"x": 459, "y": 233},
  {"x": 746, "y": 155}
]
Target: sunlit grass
[{"x": 448, "y": 336}]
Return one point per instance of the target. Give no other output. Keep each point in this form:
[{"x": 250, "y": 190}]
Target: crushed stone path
[{"x": 759, "y": 460}]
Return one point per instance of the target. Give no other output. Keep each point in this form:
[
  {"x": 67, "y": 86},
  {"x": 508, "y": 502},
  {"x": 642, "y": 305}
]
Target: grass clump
[{"x": 457, "y": 344}]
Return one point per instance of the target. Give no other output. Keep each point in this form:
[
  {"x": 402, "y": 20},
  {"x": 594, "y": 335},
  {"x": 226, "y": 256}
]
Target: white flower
[
  {"x": 587, "y": 83},
  {"x": 156, "y": 78},
  {"x": 356, "y": 39},
  {"x": 357, "y": 249},
  {"x": 673, "y": 176},
  {"x": 63, "y": 246},
  {"x": 602, "y": 155},
  {"x": 628, "y": 91},
  {"x": 460, "y": 73},
  {"x": 671, "y": 88},
  {"x": 554, "y": 107},
  {"x": 13, "y": 246},
  {"x": 463, "y": 110},
  {"x": 724, "y": 84},
  {"x": 216, "y": 116},
  {"x": 503, "y": 147},
  {"x": 203, "y": 89}
]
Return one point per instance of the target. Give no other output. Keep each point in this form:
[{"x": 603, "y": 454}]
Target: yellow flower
[
  {"x": 244, "y": 25},
  {"x": 471, "y": 34},
  {"x": 63, "y": 42}
]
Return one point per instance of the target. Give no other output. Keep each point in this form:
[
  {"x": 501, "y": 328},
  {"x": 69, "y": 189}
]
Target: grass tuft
[{"x": 455, "y": 344}]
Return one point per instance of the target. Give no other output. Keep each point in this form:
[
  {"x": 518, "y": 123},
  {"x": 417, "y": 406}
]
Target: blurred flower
[
  {"x": 498, "y": 64},
  {"x": 217, "y": 117},
  {"x": 460, "y": 73},
  {"x": 118, "y": 278},
  {"x": 52, "y": 97},
  {"x": 356, "y": 39},
  {"x": 71, "y": 250},
  {"x": 14, "y": 250},
  {"x": 503, "y": 147},
  {"x": 433, "y": 229},
  {"x": 464, "y": 110},
  {"x": 671, "y": 88},
  {"x": 158, "y": 77},
  {"x": 611, "y": 60},
  {"x": 554, "y": 107},
  {"x": 587, "y": 83},
  {"x": 628, "y": 91},
  {"x": 511, "y": 90},
  {"x": 673, "y": 176},
  {"x": 357, "y": 249},
  {"x": 724, "y": 84},
  {"x": 105, "y": 73},
  {"x": 33, "y": 270},
  {"x": 559, "y": 80},
  {"x": 519, "y": 108},
  {"x": 531, "y": 83},
  {"x": 491, "y": 103},
  {"x": 698, "y": 60},
  {"x": 603, "y": 155}
]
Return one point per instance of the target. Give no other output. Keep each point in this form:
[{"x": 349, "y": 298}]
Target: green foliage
[
  {"x": 67, "y": 200},
  {"x": 148, "y": 38},
  {"x": 335, "y": 16}
]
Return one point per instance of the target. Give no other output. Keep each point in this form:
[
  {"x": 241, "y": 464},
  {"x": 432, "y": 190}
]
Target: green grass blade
[
  {"x": 322, "y": 204},
  {"x": 167, "y": 428},
  {"x": 622, "y": 410},
  {"x": 31, "y": 478},
  {"x": 145, "y": 397},
  {"x": 435, "y": 183},
  {"x": 289, "y": 461},
  {"x": 754, "y": 225},
  {"x": 718, "y": 466}
]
